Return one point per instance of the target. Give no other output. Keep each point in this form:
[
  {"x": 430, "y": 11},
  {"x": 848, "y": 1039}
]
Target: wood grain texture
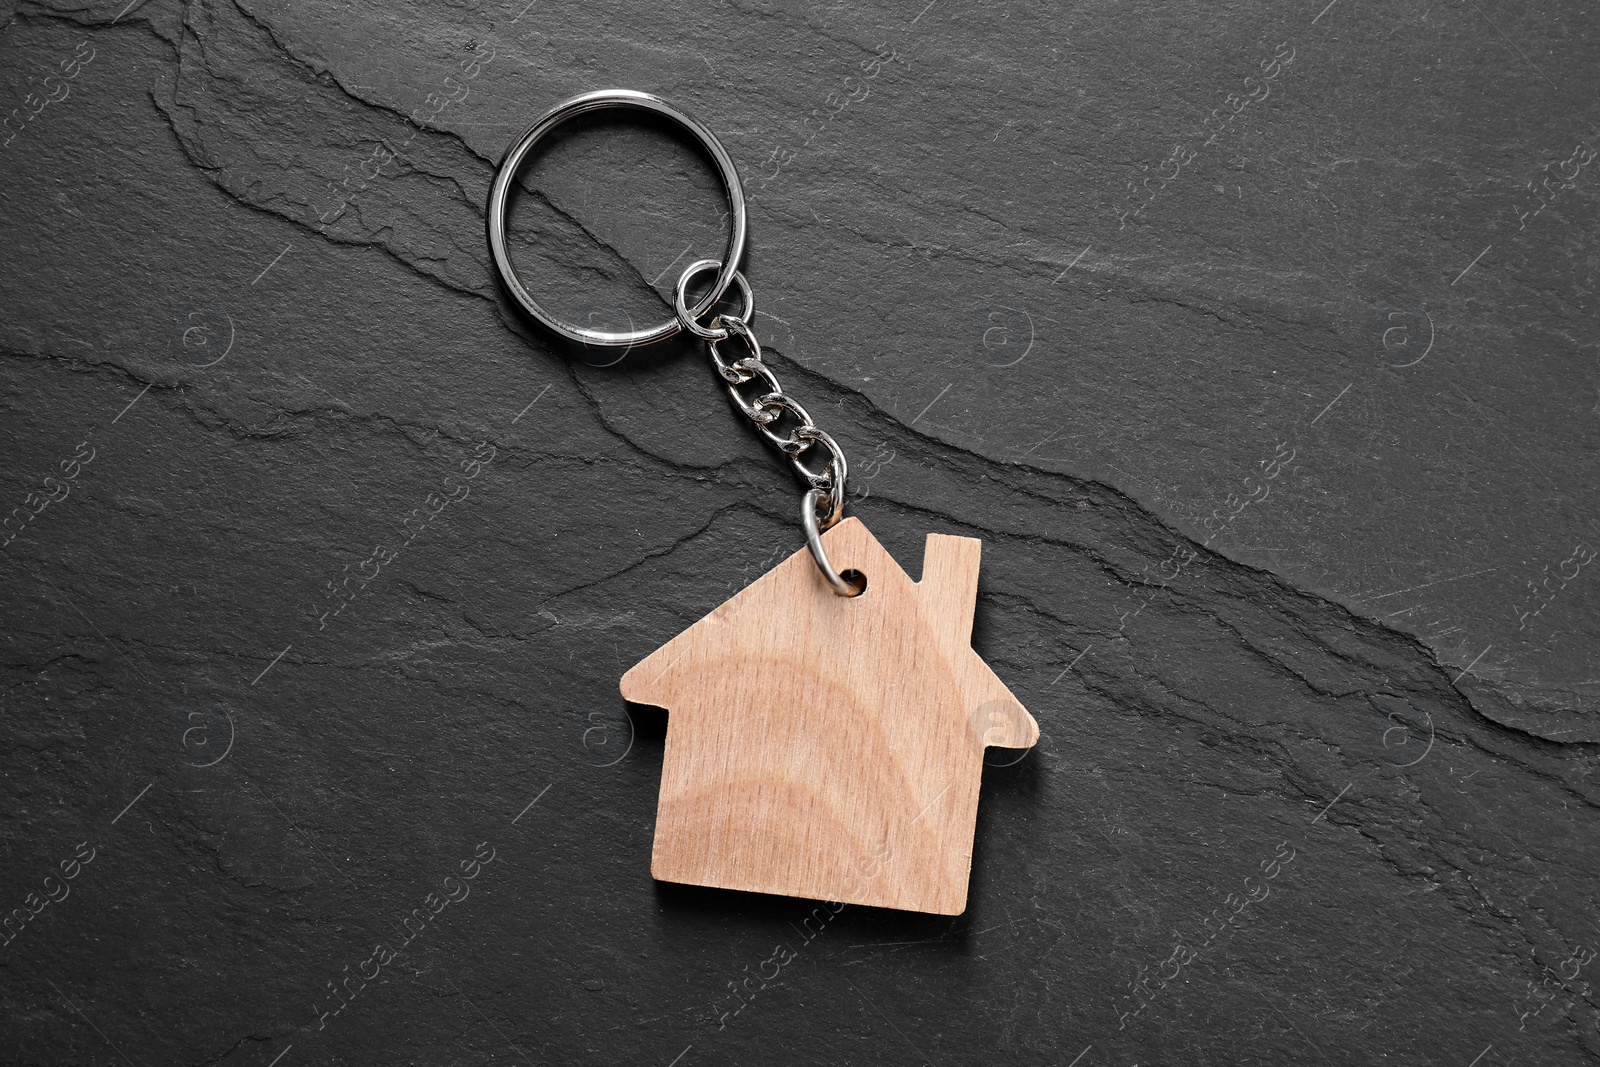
[{"x": 831, "y": 747}]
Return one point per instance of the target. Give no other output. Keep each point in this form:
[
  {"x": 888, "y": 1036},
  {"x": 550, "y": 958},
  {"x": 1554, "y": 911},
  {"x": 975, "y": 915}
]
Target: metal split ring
[{"x": 517, "y": 155}]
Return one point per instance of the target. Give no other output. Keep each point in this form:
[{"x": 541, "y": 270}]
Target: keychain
[{"x": 827, "y": 724}]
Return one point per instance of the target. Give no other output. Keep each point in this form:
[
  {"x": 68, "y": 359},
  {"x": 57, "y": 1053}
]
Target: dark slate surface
[{"x": 1360, "y": 710}]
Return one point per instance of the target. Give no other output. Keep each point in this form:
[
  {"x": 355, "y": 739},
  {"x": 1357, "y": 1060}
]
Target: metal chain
[{"x": 755, "y": 391}]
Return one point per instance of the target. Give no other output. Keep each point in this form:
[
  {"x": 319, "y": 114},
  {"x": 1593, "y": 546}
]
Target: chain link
[
  {"x": 778, "y": 417},
  {"x": 770, "y": 409}
]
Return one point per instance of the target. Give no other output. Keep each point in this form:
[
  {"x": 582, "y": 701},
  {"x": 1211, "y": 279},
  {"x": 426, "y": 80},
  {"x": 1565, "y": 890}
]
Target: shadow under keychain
[{"x": 827, "y": 724}]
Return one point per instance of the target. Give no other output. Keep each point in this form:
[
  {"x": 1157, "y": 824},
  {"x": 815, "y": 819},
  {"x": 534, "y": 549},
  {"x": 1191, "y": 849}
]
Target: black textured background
[{"x": 281, "y": 347}]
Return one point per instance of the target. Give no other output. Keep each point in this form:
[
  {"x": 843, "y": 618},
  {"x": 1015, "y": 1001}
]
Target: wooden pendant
[{"x": 831, "y": 747}]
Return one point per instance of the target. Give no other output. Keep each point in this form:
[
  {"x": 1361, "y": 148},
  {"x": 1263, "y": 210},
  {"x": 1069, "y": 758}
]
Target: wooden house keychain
[{"x": 827, "y": 724}]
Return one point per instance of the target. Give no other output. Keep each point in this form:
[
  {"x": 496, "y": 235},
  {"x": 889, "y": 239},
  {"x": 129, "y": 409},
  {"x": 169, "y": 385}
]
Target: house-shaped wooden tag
[{"x": 826, "y": 746}]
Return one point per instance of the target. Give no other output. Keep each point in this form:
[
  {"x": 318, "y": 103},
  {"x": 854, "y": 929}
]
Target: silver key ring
[
  {"x": 823, "y": 503},
  {"x": 604, "y": 100}
]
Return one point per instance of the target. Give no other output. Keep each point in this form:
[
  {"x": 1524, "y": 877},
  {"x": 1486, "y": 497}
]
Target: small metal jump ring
[
  {"x": 680, "y": 302},
  {"x": 808, "y": 518}
]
